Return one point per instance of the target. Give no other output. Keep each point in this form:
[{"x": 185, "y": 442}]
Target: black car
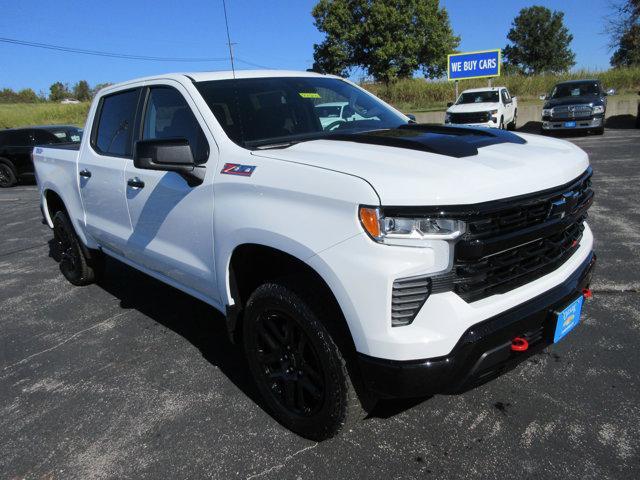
[
  {"x": 638, "y": 115},
  {"x": 575, "y": 105},
  {"x": 16, "y": 145}
]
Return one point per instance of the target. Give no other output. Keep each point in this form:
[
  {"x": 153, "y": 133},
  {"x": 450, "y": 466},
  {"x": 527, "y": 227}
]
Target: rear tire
[
  {"x": 298, "y": 368},
  {"x": 8, "y": 177},
  {"x": 79, "y": 265}
]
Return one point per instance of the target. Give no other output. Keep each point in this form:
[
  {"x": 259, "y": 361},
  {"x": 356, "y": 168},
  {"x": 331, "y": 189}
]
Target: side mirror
[
  {"x": 449, "y": 104},
  {"x": 611, "y": 91},
  {"x": 412, "y": 118},
  {"x": 169, "y": 155}
]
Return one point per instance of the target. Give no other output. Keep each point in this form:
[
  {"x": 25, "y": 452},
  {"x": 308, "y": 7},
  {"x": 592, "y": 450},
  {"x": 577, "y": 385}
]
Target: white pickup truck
[
  {"x": 492, "y": 107},
  {"x": 377, "y": 259}
]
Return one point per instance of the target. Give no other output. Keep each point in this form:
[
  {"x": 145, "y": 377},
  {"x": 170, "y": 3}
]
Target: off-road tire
[
  {"x": 79, "y": 265},
  {"x": 339, "y": 406}
]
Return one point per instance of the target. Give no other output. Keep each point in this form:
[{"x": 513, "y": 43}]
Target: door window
[
  {"x": 42, "y": 137},
  {"x": 115, "y": 124},
  {"x": 168, "y": 116},
  {"x": 505, "y": 97}
]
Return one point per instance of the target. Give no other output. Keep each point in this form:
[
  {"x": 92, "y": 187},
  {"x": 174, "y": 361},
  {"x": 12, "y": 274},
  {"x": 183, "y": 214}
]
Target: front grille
[
  {"x": 515, "y": 267},
  {"x": 519, "y": 215},
  {"x": 469, "y": 117},
  {"x": 409, "y": 294},
  {"x": 515, "y": 241},
  {"x": 571, "y": 111}
]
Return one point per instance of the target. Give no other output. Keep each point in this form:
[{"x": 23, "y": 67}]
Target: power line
[{"x": 109, "y": 54}]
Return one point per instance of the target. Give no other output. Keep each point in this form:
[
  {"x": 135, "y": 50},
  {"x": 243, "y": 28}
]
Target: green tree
[
  {"x": 624, "y": 29},
  {"x": 58, "y": 91},
  {"x": 99, "y": 87},
  {"x": 82, "y": 91},
  {"x": 27, "y": 95},
  {"x": 389, "y": 39},
  {"x": 539, "y": 42}
]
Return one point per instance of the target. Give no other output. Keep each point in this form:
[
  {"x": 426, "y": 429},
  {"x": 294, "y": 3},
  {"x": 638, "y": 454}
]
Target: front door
[
  {"x": 101, "y": 170},
  {"x": 172, "y": 222}
]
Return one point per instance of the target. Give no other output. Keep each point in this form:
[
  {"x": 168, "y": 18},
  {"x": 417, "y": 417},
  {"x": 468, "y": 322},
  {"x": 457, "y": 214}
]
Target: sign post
[{"x": 481, "y": 64}]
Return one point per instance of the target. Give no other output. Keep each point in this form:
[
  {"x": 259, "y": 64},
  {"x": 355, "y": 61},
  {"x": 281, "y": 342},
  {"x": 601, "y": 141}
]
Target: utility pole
[
  {"x": 456, "y": 83},
  {"x": 226, "y": 21}
]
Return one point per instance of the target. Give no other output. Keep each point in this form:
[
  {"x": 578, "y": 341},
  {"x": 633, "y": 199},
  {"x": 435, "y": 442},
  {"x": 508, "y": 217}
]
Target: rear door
[
  {"x": 101, "y": 169},
  {"x": 17, "y": 149},
  {"x": 172, "y": 222},
  {"x": 509, "y": 107}
]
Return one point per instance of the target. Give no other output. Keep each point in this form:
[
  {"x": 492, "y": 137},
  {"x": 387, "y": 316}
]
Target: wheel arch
[{"x": 252, "y": 264}]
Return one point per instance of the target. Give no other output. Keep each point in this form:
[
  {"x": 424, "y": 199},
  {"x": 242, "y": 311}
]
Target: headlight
[
  {"x": 547, "y": 112},
  {"x": 408, "y": 231},
  {"x": 598, "y": 109},
  {"x": 447, "y": 117},
  {"x": 493, "y": 112}
]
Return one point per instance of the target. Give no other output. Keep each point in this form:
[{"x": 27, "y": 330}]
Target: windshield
[
  {"x": 258, "y": 112},
  {"x": 488, "y": 96},
  {"x": 575, "y": 90}
]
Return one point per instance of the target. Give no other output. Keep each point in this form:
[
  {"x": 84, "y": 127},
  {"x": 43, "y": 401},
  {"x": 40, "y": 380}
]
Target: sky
[{"x": 270, "y": 33}]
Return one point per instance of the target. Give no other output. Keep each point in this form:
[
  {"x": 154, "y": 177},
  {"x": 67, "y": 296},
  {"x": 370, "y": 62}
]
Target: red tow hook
[
  {"x": 587, "y": 293},
  {"x": 519, "y": 344}
]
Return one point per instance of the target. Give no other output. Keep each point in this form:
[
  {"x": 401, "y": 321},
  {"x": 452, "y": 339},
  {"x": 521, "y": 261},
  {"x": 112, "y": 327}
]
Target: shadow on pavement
[{"x": 621, "y": 122}]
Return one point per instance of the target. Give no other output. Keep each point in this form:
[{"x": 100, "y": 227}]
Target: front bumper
[
  {"x": 484, "y": 350},
  {"x": 582, "y": 123}
]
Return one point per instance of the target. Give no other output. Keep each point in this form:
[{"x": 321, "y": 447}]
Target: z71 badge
[{"x": 237, "y": 169}]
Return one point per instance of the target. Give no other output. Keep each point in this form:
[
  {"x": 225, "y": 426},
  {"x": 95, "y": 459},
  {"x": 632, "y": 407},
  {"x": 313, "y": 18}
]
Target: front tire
[
  {"x": 501, "y": 127},
  {"x": 8, "y": 177},
  {"x": 298, "y": 368},
  {"x": 512, "y": 125},
  {"x": 599, "y": 131},
  {"x": 76, "y": 264}
]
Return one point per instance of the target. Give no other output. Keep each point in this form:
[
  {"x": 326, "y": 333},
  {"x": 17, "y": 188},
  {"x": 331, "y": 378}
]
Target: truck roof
[
  {"x": 221, "y": 75},
  {"x": 585, "y": 80},
  {"x": 485, "y": 89}
]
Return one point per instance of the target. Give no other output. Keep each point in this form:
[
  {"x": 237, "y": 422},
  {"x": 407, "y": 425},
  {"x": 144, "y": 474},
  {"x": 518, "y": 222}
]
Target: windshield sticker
[
  {"x": 309, "y": 95},
  {"x": 237, "y": 169}
]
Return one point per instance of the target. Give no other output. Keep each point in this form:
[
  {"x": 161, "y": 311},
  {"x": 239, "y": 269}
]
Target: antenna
[{"x": 226, "y": 21}]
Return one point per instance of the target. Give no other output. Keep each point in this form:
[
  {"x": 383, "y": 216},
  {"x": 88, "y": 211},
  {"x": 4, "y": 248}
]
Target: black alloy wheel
[{"x": 289, "y": 363}]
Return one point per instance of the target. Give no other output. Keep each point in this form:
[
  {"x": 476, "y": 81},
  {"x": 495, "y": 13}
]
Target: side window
[
  {"x": 115, "y": 124},
  {"x": 505, "y": 97},
  {"x": 42, "y": 137},
  {"x": 168, "y": 115}
]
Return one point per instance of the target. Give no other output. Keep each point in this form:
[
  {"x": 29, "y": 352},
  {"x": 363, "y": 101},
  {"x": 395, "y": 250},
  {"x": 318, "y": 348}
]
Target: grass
[
  {"x": 419, "y": 95},
  {"x": 411, "y": 95},
  {"x": 22, "y": 114}
]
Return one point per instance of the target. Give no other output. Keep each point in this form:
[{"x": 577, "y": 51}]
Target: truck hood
[
  {"x": 473, "y": 107},
  {"x": 558, "y": 102},
  {"x": 405, "y": 176}
]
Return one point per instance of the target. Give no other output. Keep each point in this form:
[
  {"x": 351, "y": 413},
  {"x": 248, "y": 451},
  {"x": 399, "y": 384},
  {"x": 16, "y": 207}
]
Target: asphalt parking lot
[{"x": 133, "y": 379}]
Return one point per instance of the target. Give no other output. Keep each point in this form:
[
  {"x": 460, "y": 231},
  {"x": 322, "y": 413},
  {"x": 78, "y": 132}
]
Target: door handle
[
  {"x": 85, "y": 173},
  {"x": 135, "y": 182}
]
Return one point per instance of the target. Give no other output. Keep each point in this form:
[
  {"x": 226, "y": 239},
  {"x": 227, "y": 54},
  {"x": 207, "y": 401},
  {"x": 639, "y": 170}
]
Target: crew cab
[
  {"x": 492, "y": 107},
  {"x": 378, "y": 259},
  {"x": 575, "y": 105},
  {"x": 16, "y": 145}
]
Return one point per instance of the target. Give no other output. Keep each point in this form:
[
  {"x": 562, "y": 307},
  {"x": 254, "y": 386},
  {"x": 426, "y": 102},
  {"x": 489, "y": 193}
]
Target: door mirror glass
[
  {"x": 170, "y": 155},
  {"x": 412, "y": 118}
]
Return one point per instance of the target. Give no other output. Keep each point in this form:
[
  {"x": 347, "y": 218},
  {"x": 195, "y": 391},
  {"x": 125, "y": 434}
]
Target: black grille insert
[
  {"x": 469, "y": 117},
  {"x": 515, "y": 267}
]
